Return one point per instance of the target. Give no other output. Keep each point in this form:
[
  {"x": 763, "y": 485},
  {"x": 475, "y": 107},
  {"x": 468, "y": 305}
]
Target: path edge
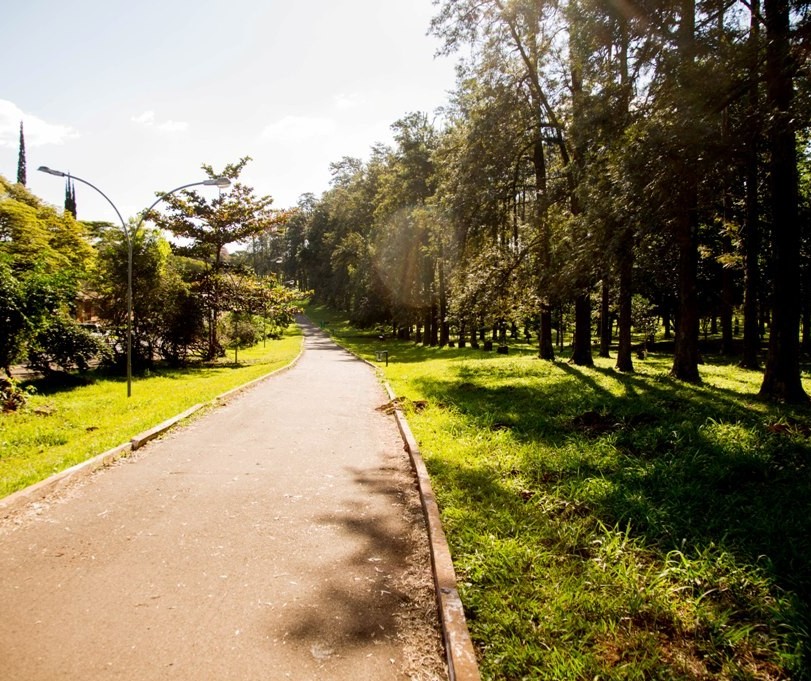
[
  {"x": 38, "y": 491},
  {"x": 459, "y": 652}
]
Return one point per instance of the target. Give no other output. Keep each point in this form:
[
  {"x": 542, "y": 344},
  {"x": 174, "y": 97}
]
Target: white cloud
[
  {"x": 298, "y": 128},
  {"x": 174, "y": 126},
  {"x": 344, "y": 101},
  {"x": 147, "y": 119},
  {"x": 38, "y": 133}
]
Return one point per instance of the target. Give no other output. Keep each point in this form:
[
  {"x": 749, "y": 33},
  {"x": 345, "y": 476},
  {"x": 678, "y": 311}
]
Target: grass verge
[
  {"x": 614, "y": 526},
  {"x": 63, "y": 425}
]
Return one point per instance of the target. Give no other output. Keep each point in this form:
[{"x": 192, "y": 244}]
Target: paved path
[{"x": 277, "y": 537}]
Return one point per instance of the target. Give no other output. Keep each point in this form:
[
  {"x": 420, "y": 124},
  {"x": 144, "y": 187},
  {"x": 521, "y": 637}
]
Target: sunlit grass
[
  {"x": 62, "y": 426},
  {"x": 615, "y": 526}
]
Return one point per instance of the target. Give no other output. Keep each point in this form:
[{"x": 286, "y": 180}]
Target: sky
[{"x": 134, "y": 97}]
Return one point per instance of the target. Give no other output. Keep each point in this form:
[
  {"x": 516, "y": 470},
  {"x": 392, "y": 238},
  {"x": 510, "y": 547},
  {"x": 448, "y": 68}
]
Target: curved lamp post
[{"x": 220, "y": 182}]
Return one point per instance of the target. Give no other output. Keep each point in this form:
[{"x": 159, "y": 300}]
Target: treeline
[
  {"x": 630, "y": 157},
  {"x": 190, "y": 302}
]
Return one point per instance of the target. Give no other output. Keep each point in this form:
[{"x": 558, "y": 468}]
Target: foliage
[
  {"x": 13, "y": 321},
  {"x": 645, "y": 320},
  {"x": 62, "y": 343},
  {"x": 241, "y": 330},
  {"x": 44, "y": 257},
  {"x": 181, "y": 319},
  {"x": 28, "y": 305},
  {"x": 152, "y": 281},
  {"x": 22, "y": 175},
  {"x": 12, "y": 396},
  {"x": 235, "y": 215}
]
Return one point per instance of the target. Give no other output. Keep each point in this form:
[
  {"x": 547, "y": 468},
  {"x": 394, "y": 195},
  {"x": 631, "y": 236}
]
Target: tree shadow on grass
[{"x": 683, "y": 466}]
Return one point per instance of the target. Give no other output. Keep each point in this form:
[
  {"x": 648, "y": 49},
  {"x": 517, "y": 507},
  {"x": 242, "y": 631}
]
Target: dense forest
[{"x": 599, "y": 165}]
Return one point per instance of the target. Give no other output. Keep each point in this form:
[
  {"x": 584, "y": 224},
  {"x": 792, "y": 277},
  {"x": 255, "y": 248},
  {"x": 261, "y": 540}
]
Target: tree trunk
[
  {"x": 751, "y": 231},
  {"x": 624, "y": 356},
  {"x": 426, "y": 326},
  {"x": 433, "y": 338},
  {"x": 727, "y": 297},
  {"x": 605, "y": 320},
  {"x": 444, "y": 327},
  {"x": 686, "y": 357},
  {"x": 782, "y": 378},
  {"x": 727, "y": 308},
  {"x": 581, "y": 346},
  {"x": 546, "y": 350}
]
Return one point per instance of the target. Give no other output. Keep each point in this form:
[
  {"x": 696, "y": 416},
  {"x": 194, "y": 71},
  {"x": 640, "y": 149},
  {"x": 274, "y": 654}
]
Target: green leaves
[{"x": 212, "y": 224}]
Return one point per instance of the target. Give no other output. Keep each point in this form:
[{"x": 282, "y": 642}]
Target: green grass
[
  {"x": 64, "y": 425},
  {"x": 614, "y": 526}
]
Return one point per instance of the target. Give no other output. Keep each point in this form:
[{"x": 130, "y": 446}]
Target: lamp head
[
  {"x": 51, "y": 171},
  {"x": 221, "y": 182}
]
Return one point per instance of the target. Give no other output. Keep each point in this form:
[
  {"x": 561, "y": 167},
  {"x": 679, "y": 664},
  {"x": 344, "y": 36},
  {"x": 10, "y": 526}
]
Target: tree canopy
[{"x": 590, "y": 154}]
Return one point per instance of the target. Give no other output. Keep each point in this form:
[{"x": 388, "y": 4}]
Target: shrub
[
  {"x": 65, "y": 345},
  {"x": 12, "y": 397}
]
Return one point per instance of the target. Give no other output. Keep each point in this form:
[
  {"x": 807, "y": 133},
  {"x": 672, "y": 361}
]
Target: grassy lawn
[
  {"x": 609, "y": 526},
  {"x": 65, "y": 425}
]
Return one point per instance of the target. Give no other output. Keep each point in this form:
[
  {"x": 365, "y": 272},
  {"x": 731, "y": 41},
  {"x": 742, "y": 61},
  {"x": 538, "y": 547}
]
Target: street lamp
[{"x": 220, "y": 182}]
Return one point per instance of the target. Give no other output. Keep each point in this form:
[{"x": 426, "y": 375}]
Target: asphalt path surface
[{"x": 276, "y": 537}]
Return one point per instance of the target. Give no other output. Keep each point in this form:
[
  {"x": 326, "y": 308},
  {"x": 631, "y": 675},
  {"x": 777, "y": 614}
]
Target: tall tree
[
  {"x": 211, "y": 225},
  {"x": 21, "y": 176},
  {"x": 686, "y": 221},
  {"x": 782, "y": 378},
  {"x": 70, "y": 197},
  {"x": 751, "y": 224},
  {"x": 518, "y": 40}
]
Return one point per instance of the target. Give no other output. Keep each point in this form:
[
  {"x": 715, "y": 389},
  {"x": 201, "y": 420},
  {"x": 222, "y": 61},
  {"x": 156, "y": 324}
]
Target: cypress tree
[
  {"x": 21, "y": 178},
  {"x": 70, "y": 197}
]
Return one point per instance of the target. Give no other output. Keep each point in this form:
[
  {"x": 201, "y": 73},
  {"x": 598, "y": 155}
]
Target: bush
[
  {"x": 66, "y": 345},
  {"x": 12, "y": 397},
  {"x": 241, "y": 330}
]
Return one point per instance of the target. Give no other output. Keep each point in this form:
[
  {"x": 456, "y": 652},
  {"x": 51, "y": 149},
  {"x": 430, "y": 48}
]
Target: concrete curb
[
  {"x": 461, "y": 657},
  {"x": 38, "y": 491},
  {"x": 142, "y": 438},
  {"x": 459, "y": 652}
]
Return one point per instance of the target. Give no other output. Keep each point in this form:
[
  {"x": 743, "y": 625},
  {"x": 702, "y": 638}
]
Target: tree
[
  {"x": 70, "y": 197},
  {"x": 21, "y": 175},
  {"x": 150, "y": 254},
  {"x": 782, "y": 378},
  {"x": 511, "y": 44},
  {"x": 751, "y": 239},
  {"x": 44, "y": 258},
  {"x": 211, "y": 225},
  {"x": 13, "y": 320}
]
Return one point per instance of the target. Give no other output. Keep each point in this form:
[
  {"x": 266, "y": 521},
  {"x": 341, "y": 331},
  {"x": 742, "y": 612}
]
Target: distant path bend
[{"x": 277, "y": 537}]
